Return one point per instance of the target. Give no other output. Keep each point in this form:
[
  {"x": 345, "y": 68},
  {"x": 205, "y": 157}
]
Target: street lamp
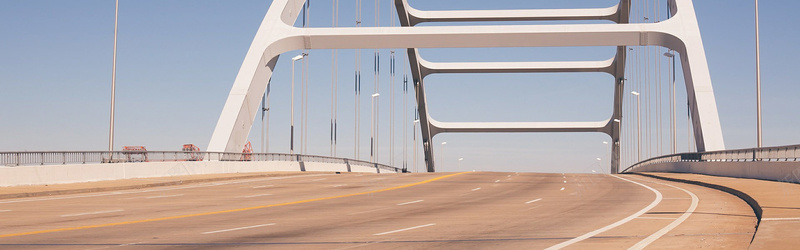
[
  {"x": 291, "y": 134},
  {"x": 758, "y": 80},
  {"x": 607, "y": 152},
  {"x": 672, "y": 107},
  {"x": 415, "y": 144},
  {"x": 443, "y": 144},
  {"x": 638, "y": 125},
  {"x": 113, "y": 84},
  {"x": 372, "y": 129}
]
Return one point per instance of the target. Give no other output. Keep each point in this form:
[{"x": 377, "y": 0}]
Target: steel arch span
[{"x": 680, "y": 32}]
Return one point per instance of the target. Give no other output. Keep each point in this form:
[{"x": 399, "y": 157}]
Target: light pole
[
  {"x": 443, "y": 144},
  {"x": 372, "y": 129},
  {"x": 113, "y": 83},
  {"x": 758, "y": 80},
  {"x": 672, "y": 107},
  {"x": 607, "y": 153},
  {"x": 415, "y": 144},
  {"x": 638, "y": 125},
  {"x": 291, "y": 134},
  {"x": 265, "y": 110}
]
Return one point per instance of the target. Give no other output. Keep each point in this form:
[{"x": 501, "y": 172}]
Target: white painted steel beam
[
  {"x": 276, "y": 35},
  {"x": 618, "y": 14}
]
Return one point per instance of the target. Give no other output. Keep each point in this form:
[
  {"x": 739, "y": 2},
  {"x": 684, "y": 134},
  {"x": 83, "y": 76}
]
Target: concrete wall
[
  {"x": 764, "y": 170},
  {"x": 59, "y": 174}
]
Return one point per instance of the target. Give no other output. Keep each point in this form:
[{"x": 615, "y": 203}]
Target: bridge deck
[{"x": 419, "y": 211}]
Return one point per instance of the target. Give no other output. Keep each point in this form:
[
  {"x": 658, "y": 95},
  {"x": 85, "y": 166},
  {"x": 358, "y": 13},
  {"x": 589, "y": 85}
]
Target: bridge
[{"x": 652, "y": 197}]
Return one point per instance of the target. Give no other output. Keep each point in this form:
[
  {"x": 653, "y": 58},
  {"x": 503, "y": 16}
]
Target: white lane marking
[
  {"x": 562, "y": 189},
  {"x": 153, "y": 190},
  {"x": 319, "y": 179},
  {"x": 163, "y": 196},
  {"x": 476, "y": 189},
  {"x": 653, "y": 237},
  {"x": 251, "y": 196},
  {"x": 410, "y": 202},
  {"x": 369, "y": 211},
  {"x": 239, "y": 228},
  {"x": 497, "y": 181},
  {"x": 264, "y": 186},
  {"x": 5, "y": 211},
  {"x": 405, "y": 229},
  {"x": 90, "y": 213},
  {"x": 509, "y": 175},
  {"x": 772, "y": 219},
  {"x": 615, "y": 224},
  {"x": 655, "y": 218},
  {"x": 565, "y": 181},
  {"x": 339, "y": 185},
  {"x": 529, "y": 202}
]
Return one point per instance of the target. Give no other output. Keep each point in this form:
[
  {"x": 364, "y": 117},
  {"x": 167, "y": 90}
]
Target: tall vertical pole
[
  {"x": 291, "y": 134},
  {"x": 758, "y": 80},
  {"x": 638, "y": 125},
  {"x": 113, "y": 81}
]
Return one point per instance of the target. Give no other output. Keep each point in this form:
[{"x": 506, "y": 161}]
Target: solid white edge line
[
  {"x": 252, "y": 196},
  {"x": 404, "y": 229},
  {"x": 476, "y": 189},
  {"x": 529, "y": 202},
  {"x": 410, "y": 202},
  {"x": 653, "y": 237},
  {"x": 5, "y": 211},
  {"x": 239, "y": 228},
  {"x": 615, "y": 224},
  {"x": 90, "y": 213}
]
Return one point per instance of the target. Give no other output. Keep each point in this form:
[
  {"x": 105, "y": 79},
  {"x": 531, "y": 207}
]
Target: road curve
[{"x": 404, "y": 211}]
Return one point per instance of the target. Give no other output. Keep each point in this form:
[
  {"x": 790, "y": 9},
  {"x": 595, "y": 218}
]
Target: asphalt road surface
[{"x": 471, "y": 210}]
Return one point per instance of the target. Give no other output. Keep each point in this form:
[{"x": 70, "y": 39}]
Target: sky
[{"x": 177, "y": 60}]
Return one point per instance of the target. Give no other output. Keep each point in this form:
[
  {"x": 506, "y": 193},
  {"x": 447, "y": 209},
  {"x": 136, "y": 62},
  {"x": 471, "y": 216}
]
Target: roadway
[{"x": 388, "y": 211}]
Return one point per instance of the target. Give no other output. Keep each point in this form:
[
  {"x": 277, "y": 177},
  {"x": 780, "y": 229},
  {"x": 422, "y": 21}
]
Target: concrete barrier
[
  {"x": 61, "y": 174},
  {"x": 763, "y": 170}
]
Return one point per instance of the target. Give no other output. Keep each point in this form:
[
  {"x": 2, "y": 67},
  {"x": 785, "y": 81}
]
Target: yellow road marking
[{"x": 226, "y": 211}]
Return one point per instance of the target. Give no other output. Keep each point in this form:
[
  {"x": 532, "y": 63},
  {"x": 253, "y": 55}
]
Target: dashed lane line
[
  {"x": 239, "y": 228},
  {"x": 615, "y": 224},
  {"x": 404, "y": 229},
  {"x": 228, "y": 211}
]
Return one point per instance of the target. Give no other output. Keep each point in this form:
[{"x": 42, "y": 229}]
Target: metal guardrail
[
  {"x": 13, "y": 159},
  {"x": 779, "y": 153}
]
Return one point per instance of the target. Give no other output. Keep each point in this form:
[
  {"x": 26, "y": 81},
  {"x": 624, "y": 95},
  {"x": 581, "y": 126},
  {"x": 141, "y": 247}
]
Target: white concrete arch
[{"x": 276, "y": 35}]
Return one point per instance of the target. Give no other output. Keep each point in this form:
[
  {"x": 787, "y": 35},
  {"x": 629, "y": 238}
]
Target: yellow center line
[{"x": 226, "y": 211}]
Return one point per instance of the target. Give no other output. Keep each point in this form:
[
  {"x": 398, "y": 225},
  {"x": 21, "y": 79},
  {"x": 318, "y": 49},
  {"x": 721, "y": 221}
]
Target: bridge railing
[
  {"x": 13, "y": 159},
  {"x": 778, "y": 153}
]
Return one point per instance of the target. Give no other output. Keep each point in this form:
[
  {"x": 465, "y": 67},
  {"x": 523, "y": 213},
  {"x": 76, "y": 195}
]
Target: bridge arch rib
[{"x": 276, "y": 35}]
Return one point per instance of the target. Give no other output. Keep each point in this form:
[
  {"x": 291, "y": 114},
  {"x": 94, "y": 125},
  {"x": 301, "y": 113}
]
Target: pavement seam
[{"x": 742, "y": 195}]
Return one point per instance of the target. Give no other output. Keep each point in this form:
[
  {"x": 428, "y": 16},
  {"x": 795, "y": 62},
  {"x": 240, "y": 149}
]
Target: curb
[{"x": 747, "y": 198}]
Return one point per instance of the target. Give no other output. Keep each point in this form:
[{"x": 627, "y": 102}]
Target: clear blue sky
[{"x": 177, "y": 61}]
